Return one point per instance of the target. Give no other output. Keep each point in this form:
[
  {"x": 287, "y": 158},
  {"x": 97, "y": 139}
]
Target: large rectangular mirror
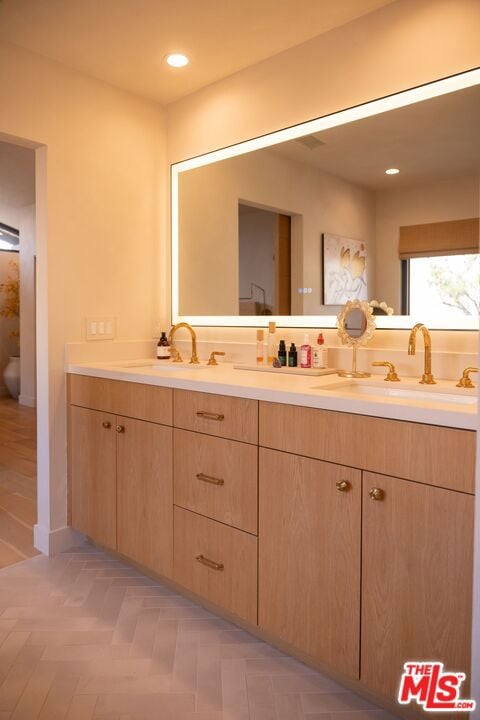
[{"x": 379, "y": 203}]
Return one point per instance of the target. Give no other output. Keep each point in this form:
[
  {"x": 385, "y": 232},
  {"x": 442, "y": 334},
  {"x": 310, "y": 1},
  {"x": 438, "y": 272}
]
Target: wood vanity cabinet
[
  {"x": 120, "y": 468},
  {"x": 309, "y": 557},
  {"x": 145, "y": 494},
  {"x": 349, "y": 538},
  {"x": 417, "y": 566},
  {"x": 93, "y": 464},
  {"x": 412, "y": 599}
]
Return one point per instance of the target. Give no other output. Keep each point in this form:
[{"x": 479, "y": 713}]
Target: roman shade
[{"x": 453, "y": 237}]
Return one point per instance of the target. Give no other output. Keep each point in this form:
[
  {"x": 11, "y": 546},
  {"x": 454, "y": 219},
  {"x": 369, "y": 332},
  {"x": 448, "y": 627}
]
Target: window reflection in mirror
[{"x": 415, "y": 232}]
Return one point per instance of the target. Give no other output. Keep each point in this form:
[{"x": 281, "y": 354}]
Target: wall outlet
[{"x": 100, "y": 328}]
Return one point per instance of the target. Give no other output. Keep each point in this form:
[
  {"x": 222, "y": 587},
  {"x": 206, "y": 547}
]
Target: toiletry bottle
[
  {"x": 292, "y": 356},
  {"x": 321, "y": 341},
  {"x": 319, "y": 353},
  {"x": 306, "y": 353},
  {"x": 272, "y": 344},
  {"x": 260, "y": 348},
  {"x": 282, "y": 353},
  {"x": 163, "y": 348}
]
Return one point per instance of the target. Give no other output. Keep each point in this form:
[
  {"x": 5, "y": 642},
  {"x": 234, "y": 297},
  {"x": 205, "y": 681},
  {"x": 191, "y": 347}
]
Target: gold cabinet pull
[
  {"x": 209, "y": 563},
  {"x": 120, "y": 429},
  {"x": 210, "y": 416},
  {"x": 376, "y": 494},
  {"x": 343, "y": 486},
  {"x": 107, "y": 425},
  {"x": 210, "y": 479}
]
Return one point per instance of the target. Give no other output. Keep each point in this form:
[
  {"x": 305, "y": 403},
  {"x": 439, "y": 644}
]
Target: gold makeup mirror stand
[{"x": 356, "y": 325}]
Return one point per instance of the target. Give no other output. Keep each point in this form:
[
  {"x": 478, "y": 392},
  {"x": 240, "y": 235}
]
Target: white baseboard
[
  {"x": 53, "y": 542},
  {"x": 27, "y": 400}
]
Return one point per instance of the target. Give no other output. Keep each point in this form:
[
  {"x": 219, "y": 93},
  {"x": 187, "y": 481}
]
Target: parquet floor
[
  {"x": 18, "y": 486},
  {"x": 84, "y": 636}
]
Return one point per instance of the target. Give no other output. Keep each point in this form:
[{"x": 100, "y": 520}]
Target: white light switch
[{"x": 101, "y": 328}]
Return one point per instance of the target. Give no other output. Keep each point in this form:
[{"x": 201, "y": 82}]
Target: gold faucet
[
  {"x": 392, "y": 375},
  {"x": 212, "y": 359},
  {"x": 194, "y": 358},
  {"x": 427, "y": 377},
  {"x": 465, "y": 381}
]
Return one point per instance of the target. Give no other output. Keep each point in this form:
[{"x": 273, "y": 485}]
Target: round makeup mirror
[{"x": 356, "y": 326}]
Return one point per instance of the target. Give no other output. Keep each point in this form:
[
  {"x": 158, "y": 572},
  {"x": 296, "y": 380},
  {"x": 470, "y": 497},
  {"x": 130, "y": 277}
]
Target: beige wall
[{"x": 100, "y": 180}]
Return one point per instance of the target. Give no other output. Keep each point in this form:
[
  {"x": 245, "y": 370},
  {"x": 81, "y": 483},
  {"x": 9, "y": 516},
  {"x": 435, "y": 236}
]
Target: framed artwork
[{"x": 344, "y": 270}]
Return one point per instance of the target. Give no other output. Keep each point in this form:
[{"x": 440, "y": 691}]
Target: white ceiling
[
  {"x": 434, "y": 139},
  {"x": 123, "y": 42},
  {"x": 17, "y": 176}
]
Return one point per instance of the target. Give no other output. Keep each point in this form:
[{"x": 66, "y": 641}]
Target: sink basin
[
  {"x": 161, "y": 366},
  {"x": 431, "y": 394}
]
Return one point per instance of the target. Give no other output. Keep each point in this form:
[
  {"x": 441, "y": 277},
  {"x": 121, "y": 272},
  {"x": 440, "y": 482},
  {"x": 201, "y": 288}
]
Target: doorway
[{"x": 18, "y": 461}]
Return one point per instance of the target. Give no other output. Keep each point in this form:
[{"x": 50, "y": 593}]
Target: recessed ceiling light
[
  {"x": 177, "y": 60},
  {"x": 392, "y": 171}
]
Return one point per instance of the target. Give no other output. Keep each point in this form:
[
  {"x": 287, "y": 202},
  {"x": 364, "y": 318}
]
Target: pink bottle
[{"x": 306, "y": 353}]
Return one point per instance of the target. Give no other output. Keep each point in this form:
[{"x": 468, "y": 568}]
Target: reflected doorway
[{"x": 264, "y": 261}]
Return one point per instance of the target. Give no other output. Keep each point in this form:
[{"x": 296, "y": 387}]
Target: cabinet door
[
  {"x": 416, "y": 579},
  {"x": 145, "y": 493},
  {"x": 92, "y": 474},
  {"x": 309, "y": 557}
]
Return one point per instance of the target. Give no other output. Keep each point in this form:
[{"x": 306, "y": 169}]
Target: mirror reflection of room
[{"x": 385, "y": 208}]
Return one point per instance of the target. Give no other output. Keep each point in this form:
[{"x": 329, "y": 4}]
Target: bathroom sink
[
  {"x": 433, "y": 393},
  {"x": 161, "y": 366}
]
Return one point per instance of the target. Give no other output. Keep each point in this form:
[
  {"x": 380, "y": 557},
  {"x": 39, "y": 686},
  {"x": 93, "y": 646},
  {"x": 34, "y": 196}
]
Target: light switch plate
[{"x": 100, "y": 328}]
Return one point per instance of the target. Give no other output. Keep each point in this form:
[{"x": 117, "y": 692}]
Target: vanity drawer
[
  {"x": 216, "y": 562},
  {"x": 135, "y": 400},
  {"x": 217, "y": 478},
  {"x": 429, "y": 454},
  {"x": 221, "y": 415}
]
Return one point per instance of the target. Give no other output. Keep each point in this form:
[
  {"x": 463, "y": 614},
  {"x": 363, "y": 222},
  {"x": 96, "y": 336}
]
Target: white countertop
[{"x": 432, "y": 407}]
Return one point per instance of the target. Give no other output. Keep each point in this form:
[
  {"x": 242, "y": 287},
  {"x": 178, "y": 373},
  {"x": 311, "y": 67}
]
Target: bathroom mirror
[
  {"x": 292, "y": 225},
  {"x": 356, "y": 326}
]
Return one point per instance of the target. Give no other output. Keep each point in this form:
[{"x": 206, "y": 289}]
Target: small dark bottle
[
  {"x": 163, "y": 348},
  {"x": 282, "y": 353},
  {"x": 292, "y": 356}
]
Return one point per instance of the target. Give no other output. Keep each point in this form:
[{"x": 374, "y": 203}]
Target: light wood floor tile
[
  {"x": 18, "y": 492},
  {"x": 75, "y": 645}
]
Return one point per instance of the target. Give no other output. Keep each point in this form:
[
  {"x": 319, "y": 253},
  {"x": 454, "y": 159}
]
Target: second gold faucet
[{"x": 427, "y": 377}]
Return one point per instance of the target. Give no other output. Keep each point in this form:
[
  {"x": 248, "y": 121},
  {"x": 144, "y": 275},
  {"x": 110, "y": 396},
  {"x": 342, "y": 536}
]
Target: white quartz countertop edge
[{"x": 306, "y": 391}]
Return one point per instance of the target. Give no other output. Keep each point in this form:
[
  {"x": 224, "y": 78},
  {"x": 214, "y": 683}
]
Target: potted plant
[{"x": 10, "y": 289}]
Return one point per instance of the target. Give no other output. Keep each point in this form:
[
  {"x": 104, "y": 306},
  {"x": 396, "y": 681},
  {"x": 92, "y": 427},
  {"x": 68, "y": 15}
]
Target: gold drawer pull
[
  {"x": 210, "y": 479},
  {"x": 209, "y": 563},
  {"x": 106, "y": 425},
  {"x": 376, "y": 494},
  {"x": 210, "y": 416},
  {"x": 120, "y": 429},
  {"x": 343, "y": 486}
]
